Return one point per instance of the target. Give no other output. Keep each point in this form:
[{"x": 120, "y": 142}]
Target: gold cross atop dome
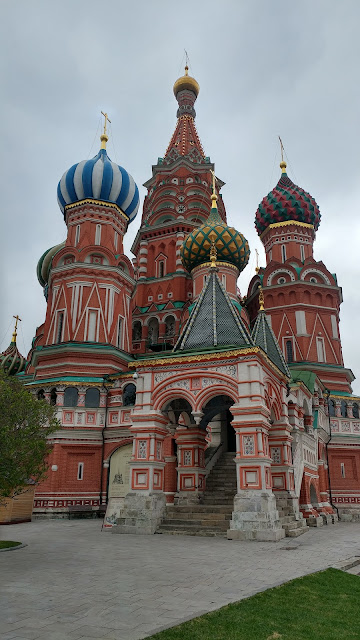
[
  {"x": 104, "y": 137},
  {"x": 213, "y": 195},
  {"x": 17, "y": 319},
  {"x": 282, "y": 163}
]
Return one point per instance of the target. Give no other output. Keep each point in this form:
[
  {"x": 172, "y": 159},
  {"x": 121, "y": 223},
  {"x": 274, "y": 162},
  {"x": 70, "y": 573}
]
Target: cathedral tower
[{"x": 177, "y": 201}]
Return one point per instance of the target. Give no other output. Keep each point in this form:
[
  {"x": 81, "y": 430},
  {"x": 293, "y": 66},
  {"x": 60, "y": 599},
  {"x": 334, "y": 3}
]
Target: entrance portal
[{"x": 217, "y": 420}]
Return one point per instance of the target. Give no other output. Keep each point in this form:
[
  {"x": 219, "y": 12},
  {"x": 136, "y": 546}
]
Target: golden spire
[
  {"x": 282, "y": 163},
  {"x": 13, "y": 339},
  {"x": 213, "y": 195},
  {"x": 261, "y": 298},
  {"x": 104, "y": 137},
  {"x": 257, "y": 269},
  {"x": 213, "y": 254}
]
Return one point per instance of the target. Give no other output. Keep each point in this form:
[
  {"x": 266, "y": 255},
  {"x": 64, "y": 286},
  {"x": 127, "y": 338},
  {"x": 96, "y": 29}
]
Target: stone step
[
  {"x": 205, "y": 533},
  {"x": 199, "y": 515},
  {"x": 175, "y": 523},
  {"x": 294, "y": 533},
  {"x": 196, "y": 508},
  {"x": 295, "y": 524}
]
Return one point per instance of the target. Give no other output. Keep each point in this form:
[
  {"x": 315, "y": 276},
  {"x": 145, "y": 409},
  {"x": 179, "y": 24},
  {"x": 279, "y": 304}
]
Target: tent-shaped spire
[
  {"x": 264, "y": 337},
  {"x": 213, "y": 321}
]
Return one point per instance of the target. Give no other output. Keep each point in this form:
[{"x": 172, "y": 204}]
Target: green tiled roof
[
  {"x": 263, "y": 336},
  {"x": 214, "y": 321}
]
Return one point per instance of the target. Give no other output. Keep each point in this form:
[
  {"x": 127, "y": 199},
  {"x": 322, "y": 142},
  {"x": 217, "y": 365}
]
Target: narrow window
[
  {"x": 300, "y": 323},
  {"x": 320, "y": 347},
  {"x": 270, "y": 255},
  {"x": 92, "y": 398},
  {"x": 342, "y": 467},
  {"x": 80, "y": 473},
  {"x": 71, "y": 397},
  {"x": 283, "y": 252},
  {"x": 205, "y": 278},
  {"x": 343, "y": 409},
  {"x": 355, "y": 409},
  {"x": 77, "y": 234},
  {"x": 289, "y": 351},
  {"x": 53, "y": 397},
  {"x": 60, "y": 326},
  {"x": 161, "y": 269},
  {"x": 119, "y": 333},
  {"x": 116, "y": 236},
  {"x": 223, "y": 279},
  {"x": 331, "y": 408},
  {"x": 92, "y": 326},
  {"x": 334, "y": 327},
  {"x": 302, "y": 253},
  {"x": 98, "y": 234}
]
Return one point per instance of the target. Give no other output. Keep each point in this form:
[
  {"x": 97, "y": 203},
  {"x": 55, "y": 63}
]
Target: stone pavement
[{"x": 74, "y": 581}]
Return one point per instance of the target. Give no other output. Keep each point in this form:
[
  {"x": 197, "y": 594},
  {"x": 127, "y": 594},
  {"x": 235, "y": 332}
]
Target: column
[
  {"x": 191, "y": 445},
  {"x": 255, "y": 515},
  {"x": 144, "y": 505}
]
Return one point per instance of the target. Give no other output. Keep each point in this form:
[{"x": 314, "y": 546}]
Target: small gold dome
[{"x": 186, "y": 82}]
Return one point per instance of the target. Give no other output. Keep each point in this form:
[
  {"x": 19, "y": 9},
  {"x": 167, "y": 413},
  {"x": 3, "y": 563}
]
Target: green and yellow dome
[{"x": 231, "y": 246}]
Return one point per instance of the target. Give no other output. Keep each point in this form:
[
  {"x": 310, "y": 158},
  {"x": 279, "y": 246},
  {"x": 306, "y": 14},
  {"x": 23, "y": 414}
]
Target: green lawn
[
  {"x": 5, "y": 544},
  {"x": 323, "y": 605}
]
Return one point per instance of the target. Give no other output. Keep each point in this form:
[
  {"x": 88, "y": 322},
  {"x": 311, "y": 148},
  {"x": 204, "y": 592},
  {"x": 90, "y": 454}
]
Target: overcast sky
[{"x": 264, "y": 68}]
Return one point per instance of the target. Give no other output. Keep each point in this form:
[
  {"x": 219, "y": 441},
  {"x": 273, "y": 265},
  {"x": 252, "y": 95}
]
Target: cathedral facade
[{"x": 185, "y": 407}]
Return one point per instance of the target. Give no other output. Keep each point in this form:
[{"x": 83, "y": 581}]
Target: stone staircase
[
  {"x": 294, "y": 525},
  {"x": 210, "y": 517}
]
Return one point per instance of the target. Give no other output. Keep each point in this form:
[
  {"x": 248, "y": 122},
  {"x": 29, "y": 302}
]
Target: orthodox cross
[
  {"x": 213, "y": 180},
  {"x": 282, "y": 149},
  {"x": 17, "y": 319},
  {"x": 107, "y": 119},
  {"x": 257, "y": 261}
]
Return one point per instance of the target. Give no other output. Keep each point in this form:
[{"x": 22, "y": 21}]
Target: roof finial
[
  {"x": 261, "y": 298},
  {"x": 104, "y": 137},
  {"x": 186, "y": 62},
  {"x": 13, "y": 339},
  {"x": 282, "y": 163},
  {"x": 213, "y": 195},
  {"x": 213, "y": 254},
  {"x": 257, "y": 269}
]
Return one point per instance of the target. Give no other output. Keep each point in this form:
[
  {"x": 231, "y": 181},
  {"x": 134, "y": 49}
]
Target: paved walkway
[{"x": 73, "y": 581}]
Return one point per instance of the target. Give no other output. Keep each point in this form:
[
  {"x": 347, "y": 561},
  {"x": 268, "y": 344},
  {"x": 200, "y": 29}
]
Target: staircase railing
[{"x": 213, "y": 456}]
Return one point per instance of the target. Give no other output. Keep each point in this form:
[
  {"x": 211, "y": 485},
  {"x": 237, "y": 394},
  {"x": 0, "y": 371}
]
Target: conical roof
[
  {"x": 213, "y": 321},
  {"x": 264, "y": 337}
]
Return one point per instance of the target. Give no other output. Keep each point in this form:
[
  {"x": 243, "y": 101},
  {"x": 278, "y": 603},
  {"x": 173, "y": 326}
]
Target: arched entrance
[
  {"x": 217, "y": 419},
  {"x": 118, "y": 482}
]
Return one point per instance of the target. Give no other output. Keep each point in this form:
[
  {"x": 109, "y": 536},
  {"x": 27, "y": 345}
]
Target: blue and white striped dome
[{"x": 100, "y": 179}]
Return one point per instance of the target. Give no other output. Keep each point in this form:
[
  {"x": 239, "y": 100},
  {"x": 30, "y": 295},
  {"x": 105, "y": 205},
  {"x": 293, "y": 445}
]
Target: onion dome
[
  {"x": 230, "y": 245},
  {"x": 287, "y": 202},
  {"x": 44, "y": 264},
  {"x": 186, "y": 82},
  {"x": 11, "y": 360},
  {"x": 99, "y": 179}
]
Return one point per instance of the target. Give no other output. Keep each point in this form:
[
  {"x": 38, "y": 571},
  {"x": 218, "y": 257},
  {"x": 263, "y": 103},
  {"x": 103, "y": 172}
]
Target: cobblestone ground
[{"x": 74, "y": 581}]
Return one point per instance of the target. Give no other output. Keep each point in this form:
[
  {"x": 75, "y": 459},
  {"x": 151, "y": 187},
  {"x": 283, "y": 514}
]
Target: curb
[{"x": 344, "y": 565}]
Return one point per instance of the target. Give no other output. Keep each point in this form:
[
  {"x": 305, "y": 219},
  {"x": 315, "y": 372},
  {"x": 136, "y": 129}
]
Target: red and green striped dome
[{"x": 287, "y": 202}]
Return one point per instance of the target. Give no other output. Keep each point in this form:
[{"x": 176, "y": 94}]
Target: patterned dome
[
  {"x": 11, "y": 360},
  {"x": 231, "y": 246},
  {"x": 44, "y": 265},
  {"x": 285, "y": 202},
  {"x": 100, "y": 179}
]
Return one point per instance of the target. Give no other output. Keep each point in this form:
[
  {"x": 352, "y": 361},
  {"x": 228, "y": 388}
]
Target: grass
[
  {"x": 6, "y": 544},
  {"x": 322, "y": 605}
]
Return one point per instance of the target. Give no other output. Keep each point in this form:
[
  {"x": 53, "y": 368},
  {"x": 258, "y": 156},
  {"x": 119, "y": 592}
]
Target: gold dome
[{"x": 186, "y": 82}]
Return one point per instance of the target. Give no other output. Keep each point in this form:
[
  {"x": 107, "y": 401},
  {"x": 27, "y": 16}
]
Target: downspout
[
  {"x": 327, "y": 395},
  {"x": 105, "y": 378}
]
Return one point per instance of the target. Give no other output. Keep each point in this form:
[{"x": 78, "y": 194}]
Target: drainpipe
[
  {"x": 327, "y": 396},
  {"x": 105, "y": 379}
]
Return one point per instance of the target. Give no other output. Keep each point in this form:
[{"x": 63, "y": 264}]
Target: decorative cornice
[
  {"x": 286, "y": 223},
  {"x": 101, "y": 203}
]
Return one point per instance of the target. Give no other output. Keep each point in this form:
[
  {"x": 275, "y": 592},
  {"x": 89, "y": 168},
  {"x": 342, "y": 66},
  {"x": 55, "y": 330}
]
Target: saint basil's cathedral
[{"x": 184, "y": 407}]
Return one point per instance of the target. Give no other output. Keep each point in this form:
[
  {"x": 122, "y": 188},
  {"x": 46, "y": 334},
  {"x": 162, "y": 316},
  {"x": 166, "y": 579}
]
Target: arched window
[
  {"x": 161, "y": 269},
  {"x": 92, "y": 397},
  {"x": 170, "y": 326},
  {"x": 137, "y": 331},
  {"x": 53, "y": 396},
  {"x": 71, "y": 397},
  {"x": 289, "y": 351},
  {"x": 331, "y": 408},
  {"x": 40, "y": 394},
  {"x": 129, "y": 395},
  {"x": 343, "y": 408},
  {"x": 355, "y": 409},
  {"x": 153, "y": 332}
]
